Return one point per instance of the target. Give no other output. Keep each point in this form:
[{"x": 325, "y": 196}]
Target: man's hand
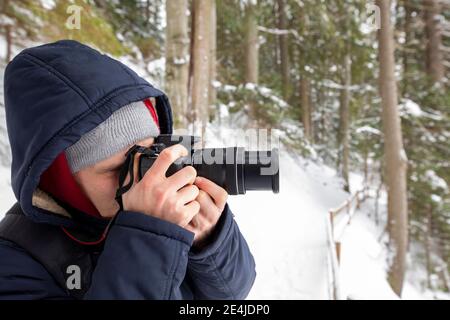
[
  {"x": 212, "y": 200},
  {"x": 172, "y": 199}
]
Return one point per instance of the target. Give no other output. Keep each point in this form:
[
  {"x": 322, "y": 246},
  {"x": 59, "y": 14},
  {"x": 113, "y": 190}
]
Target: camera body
[{"x": 233, "y": 168}]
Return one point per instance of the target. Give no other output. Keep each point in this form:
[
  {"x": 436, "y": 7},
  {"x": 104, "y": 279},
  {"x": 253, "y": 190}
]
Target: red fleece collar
[{"x": 58, "y": 181}]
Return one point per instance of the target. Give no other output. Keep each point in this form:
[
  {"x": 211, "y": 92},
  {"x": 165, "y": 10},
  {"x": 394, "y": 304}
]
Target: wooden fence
[{"x": 345, "y": 212}]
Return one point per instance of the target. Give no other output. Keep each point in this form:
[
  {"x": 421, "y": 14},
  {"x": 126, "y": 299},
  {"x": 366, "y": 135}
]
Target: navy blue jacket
[{"x": 55, "y": 93}]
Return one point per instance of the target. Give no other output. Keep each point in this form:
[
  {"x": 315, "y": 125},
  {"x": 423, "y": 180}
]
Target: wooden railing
[{"x": 346, "y": 211}]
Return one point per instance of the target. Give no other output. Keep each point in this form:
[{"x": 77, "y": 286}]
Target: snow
[
  {"x": 362, "y": 267},
  {"x": 435, "y": 181},
  {"x": 181, "y": 61},
  {"x": 250, "y": 86},
  {"x": 368, "y": 129},
  {"x": 286, "y": 232},
  {"x": 333, "y": 85},
  {"x": 48, "y": 4},
  {"x": 436, "y": 198},
  {"x": 411, "y": 108},
  {"x": 249, "y": 3},
  {"x": 7, "y": 198},
  {"x": 258, "y": 89}
]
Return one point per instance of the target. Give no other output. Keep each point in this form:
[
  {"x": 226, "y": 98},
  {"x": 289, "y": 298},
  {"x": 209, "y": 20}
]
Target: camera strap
[{"x": 128, "y": 169}]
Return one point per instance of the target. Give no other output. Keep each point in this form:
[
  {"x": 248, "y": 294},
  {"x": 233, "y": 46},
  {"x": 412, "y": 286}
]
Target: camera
[{"x": 234, "y": 168}]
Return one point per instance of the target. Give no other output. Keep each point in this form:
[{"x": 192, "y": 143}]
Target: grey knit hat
[{"x": 125, "y": 127}]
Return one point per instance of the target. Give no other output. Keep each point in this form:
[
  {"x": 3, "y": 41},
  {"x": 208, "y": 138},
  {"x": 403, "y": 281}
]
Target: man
[{"x": 72, "y": 115}]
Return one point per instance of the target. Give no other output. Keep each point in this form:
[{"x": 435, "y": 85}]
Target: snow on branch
[{"x": 280, "y": 32}]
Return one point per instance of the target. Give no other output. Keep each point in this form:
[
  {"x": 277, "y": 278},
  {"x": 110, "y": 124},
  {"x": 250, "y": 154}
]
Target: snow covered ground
[
  {"x": 363, "y": 269},
  {"x": 287, "y": 233}
]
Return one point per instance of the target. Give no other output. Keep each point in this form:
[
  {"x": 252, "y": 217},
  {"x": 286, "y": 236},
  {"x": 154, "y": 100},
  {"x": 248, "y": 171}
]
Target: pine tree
[
  {"x": 395, "y": 156},
  {"x": 177, "y": 59}
]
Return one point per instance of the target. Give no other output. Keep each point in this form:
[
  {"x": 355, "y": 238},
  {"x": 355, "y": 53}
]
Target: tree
[
  {"x": 306, "y": 108},
  {"x": 344, "y": 121},
  {"x": 137, "y": 21},
  {"x": 201, "y": 62},
  {"x": 344, "y": 108},
  {"x": 251, "y": 54},
  {"x": 8, "y": 23},
  {"x": 304, "y": 85},
  {"x": 177, "y": 58},
  {"x": 284, "y": 47},
  {"x": 212, "y": 56},
  {"x": 435, "y": 67},
  {"x": 394, "y": 154},
  {"x": 251, "y": 44}
]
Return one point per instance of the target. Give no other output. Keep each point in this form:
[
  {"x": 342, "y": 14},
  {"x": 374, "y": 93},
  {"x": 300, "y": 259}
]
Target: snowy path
[{"x": 286, "y": 232}]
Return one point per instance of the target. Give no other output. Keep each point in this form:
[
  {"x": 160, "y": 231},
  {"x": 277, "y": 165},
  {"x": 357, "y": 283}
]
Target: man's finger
[
  {"x": 208, "y": 207},
  {"x": 218, "y": 194},
  {"x": 191, "y": 209},
  {"x": 165, "y": 159},
  {"x": 188, "y": 193},
  {"x": 192, "y": 229},
  {"x": 182, "y": 177}
]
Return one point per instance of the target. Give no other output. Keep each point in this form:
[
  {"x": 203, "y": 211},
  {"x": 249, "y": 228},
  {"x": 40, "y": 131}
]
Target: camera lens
[
  {"x": 261, "y": 171},
  {"x": 237, "y": 170}
]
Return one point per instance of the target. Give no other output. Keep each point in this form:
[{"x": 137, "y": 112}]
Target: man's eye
[{"x": 114, "y": 170}]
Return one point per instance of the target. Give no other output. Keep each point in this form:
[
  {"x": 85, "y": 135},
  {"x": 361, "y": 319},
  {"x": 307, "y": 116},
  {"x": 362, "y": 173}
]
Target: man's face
[{"x": 100, "y": 181}]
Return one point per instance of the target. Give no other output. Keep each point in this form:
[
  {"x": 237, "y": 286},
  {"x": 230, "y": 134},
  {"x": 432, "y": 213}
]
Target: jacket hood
[{"x": 55, "y": 93}]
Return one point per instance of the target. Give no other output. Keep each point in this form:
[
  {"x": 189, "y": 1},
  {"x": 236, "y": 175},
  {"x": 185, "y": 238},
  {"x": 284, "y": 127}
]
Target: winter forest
[{"x": 357, "y": 92}]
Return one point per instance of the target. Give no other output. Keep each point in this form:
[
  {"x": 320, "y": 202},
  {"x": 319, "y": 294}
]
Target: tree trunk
[
  {"x": 7, "y": 30},
  {"x": 147, "y": 11},
  {"x": 306, "y": 108},
  {"x": 177, "y": 59},
  {"x": 284, "y": 48},
  {"x": 304, "y": 85},
  {"x": 201, "y": 66},
  {"x": 366, "y": 167},
  {"x": 378, "y": 192},
  {"x": 8, "y": 43},
  {"x": 428, "y": 232},
  {"x": 344, "y": 119},
  {"x": 191, "y": 111},
  {"x": 395, "y": 156},
  {"x": 407, "y": 30},
  {"x": 252, "y": 57},
  {"x": 212, "y": 94},
  {"x": 251, "y": 45},
  {"x": 435, "y": 66}
]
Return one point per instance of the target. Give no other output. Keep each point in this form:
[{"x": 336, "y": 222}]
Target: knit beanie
[{"x": 131, "y": 123}]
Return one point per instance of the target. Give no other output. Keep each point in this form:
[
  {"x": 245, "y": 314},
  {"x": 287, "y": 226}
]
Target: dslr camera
[{"x": 233, "y": 168}]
